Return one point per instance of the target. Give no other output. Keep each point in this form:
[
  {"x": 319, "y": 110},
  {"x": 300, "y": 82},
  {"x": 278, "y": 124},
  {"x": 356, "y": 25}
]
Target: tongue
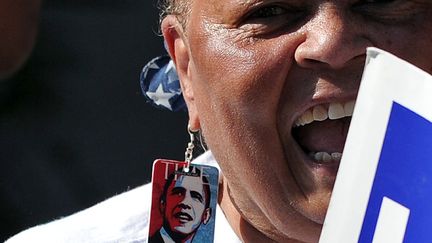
[{"x": 326, "y": 136}]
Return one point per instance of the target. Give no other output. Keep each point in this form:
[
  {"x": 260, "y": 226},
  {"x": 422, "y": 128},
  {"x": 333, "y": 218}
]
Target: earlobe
[
  {"x": 178, "y": 48},
  {"x": 162, "y": 207}
]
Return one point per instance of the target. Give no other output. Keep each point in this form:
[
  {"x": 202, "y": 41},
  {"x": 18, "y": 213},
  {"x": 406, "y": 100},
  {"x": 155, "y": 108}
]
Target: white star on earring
[{"x": 160, "y": 97}]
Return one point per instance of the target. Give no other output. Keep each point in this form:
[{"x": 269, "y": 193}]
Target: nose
[
  {"x": 332, "y": 38},
  {"x": 186, "y": 201},
  {"x": 184, "y": 206}
]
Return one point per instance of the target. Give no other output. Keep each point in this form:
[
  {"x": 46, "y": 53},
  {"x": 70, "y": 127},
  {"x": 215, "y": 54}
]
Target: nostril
[
  {"x": 184, "y": 206},
  {"x": 312, "y": 61},
  {"x": 309, "y": 63}
]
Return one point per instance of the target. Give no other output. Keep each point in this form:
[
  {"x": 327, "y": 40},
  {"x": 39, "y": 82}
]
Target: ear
[
  {"x": 162, "y": 207},
  {"x": 178, "y": 48},
  {"x": 206, "y": 215}
]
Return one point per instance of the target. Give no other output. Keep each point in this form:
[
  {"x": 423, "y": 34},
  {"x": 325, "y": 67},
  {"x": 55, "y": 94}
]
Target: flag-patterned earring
[{"x": 160, "y": 84}]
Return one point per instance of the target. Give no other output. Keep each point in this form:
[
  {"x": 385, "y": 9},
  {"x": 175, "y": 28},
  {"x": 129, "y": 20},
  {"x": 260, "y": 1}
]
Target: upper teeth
[{"x": 320, "y": 113}]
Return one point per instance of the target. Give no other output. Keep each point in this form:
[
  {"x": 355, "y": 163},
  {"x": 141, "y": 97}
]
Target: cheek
[
  {"x": 238, "y": 91},
  {"x": 198, "y": 209},
  {"x": 171, "y": 204},
  {"x": 198, "y": 212},
  {"x": 240, "y": 82},
  {"x": 406, "y": 41}
]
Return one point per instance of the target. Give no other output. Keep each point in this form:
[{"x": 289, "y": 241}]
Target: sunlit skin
[
  {"x": 185, "y": 207},
  {"x": 249, "y": 68},
  {"x": 18, "y": 28}
]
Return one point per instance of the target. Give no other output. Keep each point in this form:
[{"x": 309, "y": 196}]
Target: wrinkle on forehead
[
  {"x": 246, "y": 2},
  {"x": 219, "y": 4}
]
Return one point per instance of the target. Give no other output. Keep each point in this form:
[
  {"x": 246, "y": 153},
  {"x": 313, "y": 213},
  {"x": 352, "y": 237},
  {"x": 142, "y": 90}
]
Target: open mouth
[
  {"x": 321, "y": 131},
  {"x": 183, "y": 217}
]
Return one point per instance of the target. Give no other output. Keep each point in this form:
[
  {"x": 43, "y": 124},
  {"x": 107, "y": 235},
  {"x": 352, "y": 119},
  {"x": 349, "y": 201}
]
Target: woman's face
[{"x": 253, "y": 70}]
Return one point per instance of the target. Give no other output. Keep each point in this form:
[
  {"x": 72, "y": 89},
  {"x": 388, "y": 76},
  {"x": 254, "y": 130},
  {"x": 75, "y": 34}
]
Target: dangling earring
[
  {"x": 170, "y": 174},
  {"x": 189, "y": 149}
]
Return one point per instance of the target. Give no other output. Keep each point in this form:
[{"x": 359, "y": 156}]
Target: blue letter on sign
[{"x": 403, "y": 182}]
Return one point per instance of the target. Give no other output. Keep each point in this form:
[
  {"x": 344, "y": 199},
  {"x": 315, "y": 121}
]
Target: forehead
[
  {"x": 222, "y": 4},
  {"x": 190, "y": 183},
  {"x": 228, "y": 11},
  {"x": 235, "y": 5},
  {"x": 240, "y": 2}
]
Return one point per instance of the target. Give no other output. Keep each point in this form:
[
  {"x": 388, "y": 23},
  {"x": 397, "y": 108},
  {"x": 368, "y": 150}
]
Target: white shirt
[{"x": 122, "y": 218}]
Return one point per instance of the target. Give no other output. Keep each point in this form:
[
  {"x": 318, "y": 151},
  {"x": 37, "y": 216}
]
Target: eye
[
  {"x": 390, "y": 11},
  {"x": 197, "y": 196},
  {"x": 178, "y": 191},
  {"x": 267, "y": 12},
  {"x": 377, "y": 1},
  {"x": 264, "y": 19},
  {"x": 374, "y": 3}
]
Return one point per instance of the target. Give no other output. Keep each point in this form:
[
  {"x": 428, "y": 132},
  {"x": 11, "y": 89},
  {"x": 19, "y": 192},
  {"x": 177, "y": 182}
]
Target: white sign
[{"x": 383, "y": 192}]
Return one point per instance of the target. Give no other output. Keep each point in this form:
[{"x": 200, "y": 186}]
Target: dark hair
[{"x": 205, "y": 184}]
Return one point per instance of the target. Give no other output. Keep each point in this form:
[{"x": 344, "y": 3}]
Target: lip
[
  {"x": 328, "y": 170},
  {"x": 183, "y": 217}
]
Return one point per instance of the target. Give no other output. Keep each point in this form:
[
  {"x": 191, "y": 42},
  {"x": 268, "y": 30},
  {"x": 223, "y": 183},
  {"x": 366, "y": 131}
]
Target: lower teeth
[{"x": 324, "y": 157}]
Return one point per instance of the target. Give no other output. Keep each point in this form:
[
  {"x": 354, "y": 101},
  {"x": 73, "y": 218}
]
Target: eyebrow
[
  {"x": 176, "y": 190},
  {"x": 197, "y": 195}
]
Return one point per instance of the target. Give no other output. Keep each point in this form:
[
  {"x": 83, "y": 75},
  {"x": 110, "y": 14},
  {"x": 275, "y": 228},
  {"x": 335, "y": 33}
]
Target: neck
[{"x": 244, "y": 230}]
